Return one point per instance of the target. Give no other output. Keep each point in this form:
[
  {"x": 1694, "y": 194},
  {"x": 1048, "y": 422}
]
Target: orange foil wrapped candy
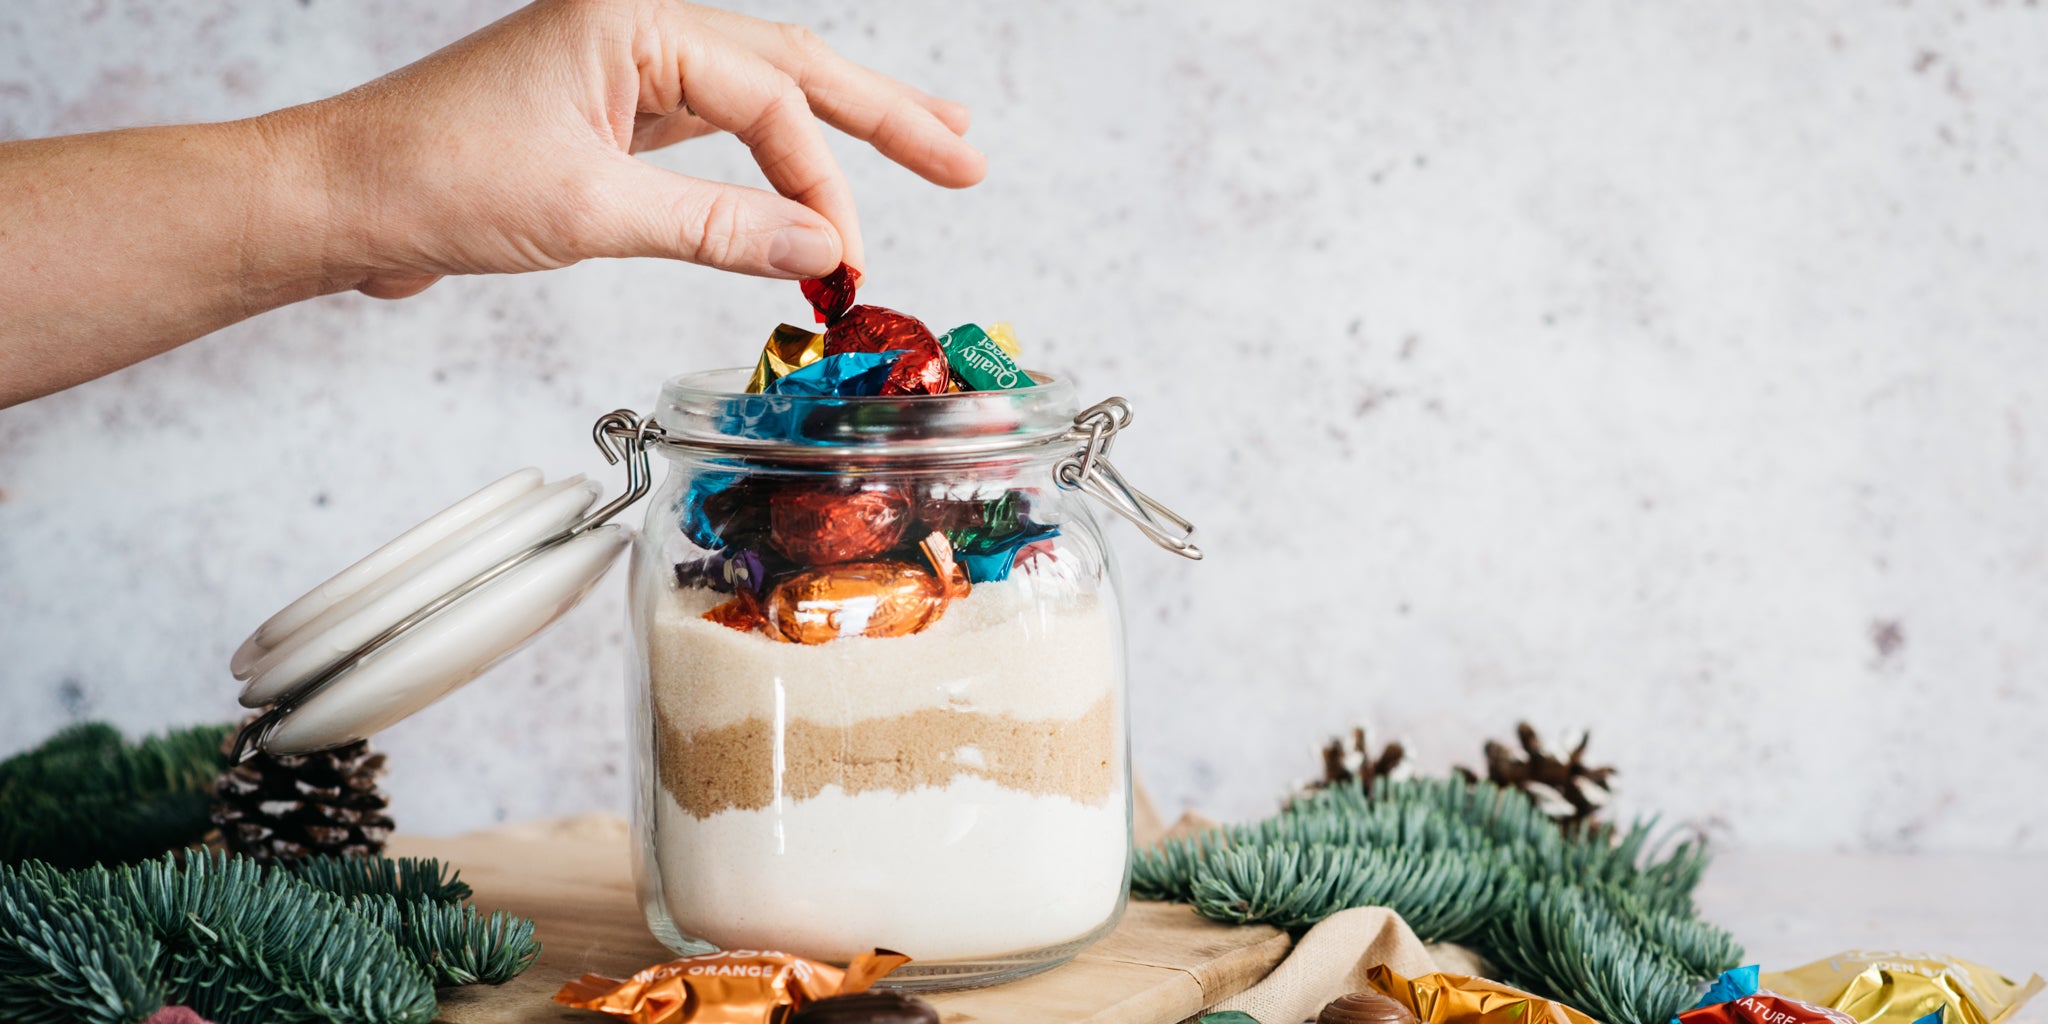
[
  {"x": 824, "y": 525},
  {"x": 876, "y": 599},
  {"x": 743, "y": 613},
  {"x": 1462, "y": 999},
  {"x": 730, "y": 987}
]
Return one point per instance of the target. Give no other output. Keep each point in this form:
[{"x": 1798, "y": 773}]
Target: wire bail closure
[{"x": 1090, "y": 471}]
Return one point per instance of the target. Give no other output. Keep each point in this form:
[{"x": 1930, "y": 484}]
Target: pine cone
[
  {"x": 1567, "y": 790},
  {"x": 1357, "y": 765},
  {"x": 282, "y": 809}
]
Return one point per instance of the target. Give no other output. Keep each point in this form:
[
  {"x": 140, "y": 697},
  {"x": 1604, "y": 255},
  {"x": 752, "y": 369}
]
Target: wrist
[{"x": 298, "y": 242}]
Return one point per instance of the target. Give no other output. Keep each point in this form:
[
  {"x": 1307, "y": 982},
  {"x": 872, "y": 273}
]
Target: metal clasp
[{"x": 1090, "y": 471}]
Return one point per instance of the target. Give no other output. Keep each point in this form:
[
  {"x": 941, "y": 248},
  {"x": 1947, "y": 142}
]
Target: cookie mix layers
[{"x": 953, "y": 794}]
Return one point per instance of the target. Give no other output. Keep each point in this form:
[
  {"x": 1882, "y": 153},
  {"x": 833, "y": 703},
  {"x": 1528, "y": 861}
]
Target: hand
[{"x": 510, "y": 150}]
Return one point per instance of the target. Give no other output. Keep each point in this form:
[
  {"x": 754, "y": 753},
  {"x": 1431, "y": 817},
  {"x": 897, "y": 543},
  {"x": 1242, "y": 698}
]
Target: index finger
[{"x": 733, "y": 88}]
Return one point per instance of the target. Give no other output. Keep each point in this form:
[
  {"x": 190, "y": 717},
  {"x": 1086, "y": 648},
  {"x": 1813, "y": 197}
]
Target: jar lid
[{"x": 424, "y": 614}]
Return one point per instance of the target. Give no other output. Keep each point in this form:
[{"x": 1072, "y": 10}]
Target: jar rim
[{"x": 709, "y": 413}]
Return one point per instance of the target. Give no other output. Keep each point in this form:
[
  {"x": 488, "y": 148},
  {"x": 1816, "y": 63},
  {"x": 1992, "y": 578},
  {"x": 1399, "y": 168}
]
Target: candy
[
  {"x": 788, "y": 349},
  {"x": 1446, "y": 998},
  {"x": 832, "y": 294},
  {"x": 727, "y": 509},
  {"x": 950, "y": 572},
  {"x": 851, "y": 329},
  {"x": 1005, "y": 338},
  {"x": 724, "y": 571},
  {"x": 743, "y": 613},
  {"x": 874, "y": 599},
  {"x": 729, "y": 987},
  {"x": 1899, "y": 988},
  {"x": 868, "y": 1008},
  {"x": 1365, "y": 1008},
  {"x": 1764, "y": 1008},
  {"x": 824, "y": 525},
  {"x": 979, "y": 363},
  {"x": 846, "y": 374}
]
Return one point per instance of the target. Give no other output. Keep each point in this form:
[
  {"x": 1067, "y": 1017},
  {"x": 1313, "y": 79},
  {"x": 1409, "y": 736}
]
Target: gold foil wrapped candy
[
  {"x": 1462, "y": 999},
  {"x": 1900, "y": 988},
  {"x": 789, "y": 348}
]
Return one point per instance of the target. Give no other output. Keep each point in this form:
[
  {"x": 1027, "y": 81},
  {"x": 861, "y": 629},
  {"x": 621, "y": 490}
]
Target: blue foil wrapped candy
[{"x": 848, "y": 374}]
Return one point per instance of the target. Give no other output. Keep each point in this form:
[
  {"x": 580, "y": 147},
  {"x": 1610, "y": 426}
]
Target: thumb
[{"x": 648, "y": 211}]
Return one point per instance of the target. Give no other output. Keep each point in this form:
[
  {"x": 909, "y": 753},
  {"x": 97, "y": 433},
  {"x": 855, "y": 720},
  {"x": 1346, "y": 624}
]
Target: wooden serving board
[{"x": 1163, "y": 964}]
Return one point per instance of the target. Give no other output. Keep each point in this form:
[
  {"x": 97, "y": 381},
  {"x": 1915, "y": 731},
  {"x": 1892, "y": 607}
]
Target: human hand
[{"x": 510, "y": 150}]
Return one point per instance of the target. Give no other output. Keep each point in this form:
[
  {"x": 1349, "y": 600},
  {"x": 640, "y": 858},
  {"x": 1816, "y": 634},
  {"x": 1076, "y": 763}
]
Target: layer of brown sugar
[{"x": 733, "y": 766}]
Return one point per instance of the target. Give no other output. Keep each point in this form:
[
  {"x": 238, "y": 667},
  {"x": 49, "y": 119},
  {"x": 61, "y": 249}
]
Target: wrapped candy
[
  {"x": 789, "y": 349},
  {"x": 1005, "y": 338},
  {"x": 978, "y": 363},
  {"x": 920, "y": 369},
  {"x": 845, "y": 374},
  {"x": 1901, "y": 988},
  {"x": 868, "y": 1008},
  {"x": 722, "y": 510},
  {"x": 1446, "y": 998},
  {"x": 873, "y": 599},
  {"x": 821, "y": 525},
  {"x": 727, "y": 987}
]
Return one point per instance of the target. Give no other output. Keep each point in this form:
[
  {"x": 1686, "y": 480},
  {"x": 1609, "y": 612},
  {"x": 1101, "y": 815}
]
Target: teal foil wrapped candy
[{"x": 978, "y": 363}]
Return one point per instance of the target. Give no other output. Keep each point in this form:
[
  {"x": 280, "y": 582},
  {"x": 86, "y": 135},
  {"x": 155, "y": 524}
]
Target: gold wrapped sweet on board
[
  {"x": 1462, "y": 999},
  {"x": 1900, "y": 988}
]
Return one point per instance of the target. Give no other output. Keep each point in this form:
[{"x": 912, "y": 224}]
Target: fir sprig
[
  {"x": 406, "y": 878},
  {"x": 244, "y": 944},
  {"x": 87, "y": 796},
  {"x": 1599, "y": 918}
]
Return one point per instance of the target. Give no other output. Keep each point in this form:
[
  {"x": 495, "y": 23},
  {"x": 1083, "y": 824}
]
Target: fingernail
[{"x": 807, "y": 252}]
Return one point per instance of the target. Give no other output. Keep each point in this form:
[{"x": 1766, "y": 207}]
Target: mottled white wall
[{"x": 1672, "y": 369}]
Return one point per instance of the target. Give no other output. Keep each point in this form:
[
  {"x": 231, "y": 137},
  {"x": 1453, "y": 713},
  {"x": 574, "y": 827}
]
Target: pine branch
[
  {"x": 405, "y": 878},
  {"x": 87, "y": 796},
  {"x": 1599, "y": 918},
  {"x": 67, "y": 954},
  {"x": 455, "y": 943}
]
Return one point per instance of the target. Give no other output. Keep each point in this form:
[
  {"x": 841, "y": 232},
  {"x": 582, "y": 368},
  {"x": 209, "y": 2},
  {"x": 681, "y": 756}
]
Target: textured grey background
[{"x": 1673, "y": 370}]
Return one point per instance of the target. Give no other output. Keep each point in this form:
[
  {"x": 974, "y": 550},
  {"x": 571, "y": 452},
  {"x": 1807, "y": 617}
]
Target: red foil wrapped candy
[
  {"x": 828, "y": 525},
  {"x": 922, "y": 370}
]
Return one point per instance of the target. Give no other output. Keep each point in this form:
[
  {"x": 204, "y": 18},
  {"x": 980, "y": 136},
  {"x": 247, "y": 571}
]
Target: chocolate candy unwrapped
[
  {"x": 788, "y": 349},
  {"x": 978, "y": 363},
  {"x": 1899, "y": 988},
  {"x": 824, "y": 524},
  {"x": 1365, "y": 1008},
  {"x": 868, "y": 1008},
  {"x": 874, "y": 599}
]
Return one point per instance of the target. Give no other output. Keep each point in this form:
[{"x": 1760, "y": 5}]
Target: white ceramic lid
[{"x": 422, "y": 615}]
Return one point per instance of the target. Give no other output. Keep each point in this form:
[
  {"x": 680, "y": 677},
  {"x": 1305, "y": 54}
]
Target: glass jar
[{"x": 878, "y": 688}]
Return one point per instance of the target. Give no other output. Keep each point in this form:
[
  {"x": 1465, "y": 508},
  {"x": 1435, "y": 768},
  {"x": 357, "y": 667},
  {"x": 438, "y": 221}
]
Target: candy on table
[
  {"x": 1902, "y": 988},
  {"x": 1442, "y": 998},
  {"x": 1370, "y": 1007},
  {"x": 868, "y": 1008},
  {"x": 728, "y": 987}
]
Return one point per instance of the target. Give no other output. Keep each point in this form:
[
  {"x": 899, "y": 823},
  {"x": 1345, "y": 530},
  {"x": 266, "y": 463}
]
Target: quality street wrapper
[
  {"x": 729, "y": 987},
  {"x": 1446, "y": 998},
  {"x": 1899, "y": 988}
]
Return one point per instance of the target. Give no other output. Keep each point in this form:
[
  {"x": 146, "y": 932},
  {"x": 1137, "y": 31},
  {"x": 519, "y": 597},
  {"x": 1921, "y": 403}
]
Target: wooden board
[{"x": 1161, "y": 965}]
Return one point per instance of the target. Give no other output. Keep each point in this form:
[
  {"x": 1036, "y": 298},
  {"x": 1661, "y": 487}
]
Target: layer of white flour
[
  {"x": 968, "y": 871},
  {"x": 1008, "y": 648}
]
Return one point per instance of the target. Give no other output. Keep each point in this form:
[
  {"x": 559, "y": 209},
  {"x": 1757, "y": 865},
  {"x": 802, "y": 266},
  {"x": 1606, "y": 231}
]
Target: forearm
[{"x": 121, "y": 245}]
